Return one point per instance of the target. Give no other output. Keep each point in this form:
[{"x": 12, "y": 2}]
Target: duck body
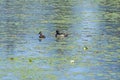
[
  {"x": 41, "y": 35},
  {"x": 58, "y": 34}
]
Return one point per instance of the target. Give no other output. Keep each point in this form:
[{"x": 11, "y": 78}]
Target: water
[{"x": 93, "y": 43}]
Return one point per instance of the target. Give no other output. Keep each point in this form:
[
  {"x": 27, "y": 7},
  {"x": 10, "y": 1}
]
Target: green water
[{"x": 90, "y": 52}]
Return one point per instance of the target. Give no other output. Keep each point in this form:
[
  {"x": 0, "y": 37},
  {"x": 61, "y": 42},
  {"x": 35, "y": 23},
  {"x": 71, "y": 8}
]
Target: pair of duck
[{"x": 57, "y": 35}]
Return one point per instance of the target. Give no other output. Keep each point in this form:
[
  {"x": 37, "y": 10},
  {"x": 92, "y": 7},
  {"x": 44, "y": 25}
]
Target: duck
[
  {"x": 58, "y": 34},
  {"x": 41, "y": 35}
]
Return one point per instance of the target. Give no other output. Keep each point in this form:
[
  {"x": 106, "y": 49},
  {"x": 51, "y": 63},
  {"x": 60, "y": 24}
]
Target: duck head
[
  {"x": 41, "y": 35},
  {"x": 40, "y": 32},
  {"x": 57, "y": 32}
]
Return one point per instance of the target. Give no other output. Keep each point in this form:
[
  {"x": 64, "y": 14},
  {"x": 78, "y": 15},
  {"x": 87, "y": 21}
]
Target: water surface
[{"x": 93, "y": 43}]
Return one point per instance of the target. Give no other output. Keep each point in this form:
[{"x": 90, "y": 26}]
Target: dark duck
[
  {"x": 41, "y": 35},
  {"x": 60, "y": 35}
]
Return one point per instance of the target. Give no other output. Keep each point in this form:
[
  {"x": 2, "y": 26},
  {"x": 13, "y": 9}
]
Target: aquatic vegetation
[
  {"x": 85, "y": 48},
  {"x": 110, "y": 3},
  {"x": 72, "y": 61},
  {"x": 30, "y": 60},
  {"x": 11, "y": 58}
]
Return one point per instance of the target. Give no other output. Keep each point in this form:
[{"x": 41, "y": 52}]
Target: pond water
[{"x": 90, "y": 52}]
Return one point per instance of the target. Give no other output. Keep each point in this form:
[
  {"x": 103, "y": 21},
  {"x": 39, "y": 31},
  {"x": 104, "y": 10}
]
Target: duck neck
[{"x": 40, "y": 33}]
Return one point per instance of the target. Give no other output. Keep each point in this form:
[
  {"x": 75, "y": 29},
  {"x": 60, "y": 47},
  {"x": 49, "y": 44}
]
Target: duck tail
[{"x": 66, "y": 35}]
